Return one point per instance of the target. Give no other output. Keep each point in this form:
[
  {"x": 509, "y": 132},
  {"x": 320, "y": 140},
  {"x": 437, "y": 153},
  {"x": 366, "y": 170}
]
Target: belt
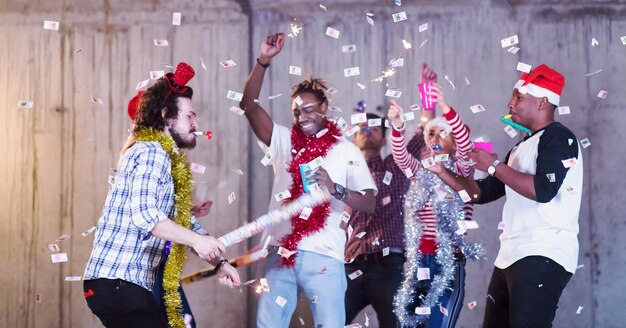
[{"x": 375, "y": 257}]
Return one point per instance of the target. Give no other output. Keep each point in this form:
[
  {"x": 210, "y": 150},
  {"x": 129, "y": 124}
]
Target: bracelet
[
  {"x": 399, "y": 129},
  {"x": 220, "y": 264},
  {"x": 262, "y": 65}
]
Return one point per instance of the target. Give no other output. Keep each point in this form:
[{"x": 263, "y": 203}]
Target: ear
[
  {"x": 544, "y": 104},
  {"x": 163, "y": 112},
  {"x": 324, "y": 108}
]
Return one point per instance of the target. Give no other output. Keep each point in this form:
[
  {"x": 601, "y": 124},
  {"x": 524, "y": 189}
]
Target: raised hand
[
  {"x": 428, "y": 75},
  {"x": 395, "y": 114},
  {"x": 437, "y": 93},
  {"x": 271, "y": 46}
]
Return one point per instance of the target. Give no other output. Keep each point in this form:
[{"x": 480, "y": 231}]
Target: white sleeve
[
  {"x": 280, "y": 144},
  {"x": 359, "y": 176}
]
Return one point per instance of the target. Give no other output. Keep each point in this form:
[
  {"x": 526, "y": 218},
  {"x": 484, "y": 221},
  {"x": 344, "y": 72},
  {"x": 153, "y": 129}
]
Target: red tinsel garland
[{"x": 305, "y": 149}]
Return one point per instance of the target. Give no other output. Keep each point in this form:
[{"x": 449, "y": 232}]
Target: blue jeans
[
  {"x": 324, "y": 289},
  {"x": 451, "y": 299}
]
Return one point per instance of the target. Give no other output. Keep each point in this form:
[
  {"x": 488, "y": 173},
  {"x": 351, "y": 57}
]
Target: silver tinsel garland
[{"x": 447, "y": 210}]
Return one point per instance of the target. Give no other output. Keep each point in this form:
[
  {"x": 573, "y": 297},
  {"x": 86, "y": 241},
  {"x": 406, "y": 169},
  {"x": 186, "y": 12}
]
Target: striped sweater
[{"x": 405, "y": 161}]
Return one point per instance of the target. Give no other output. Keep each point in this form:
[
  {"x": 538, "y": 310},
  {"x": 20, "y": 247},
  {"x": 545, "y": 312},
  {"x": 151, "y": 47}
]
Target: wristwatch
[
  {"x": 340, "y": 192},
  {"x": 492, "y": 168}
]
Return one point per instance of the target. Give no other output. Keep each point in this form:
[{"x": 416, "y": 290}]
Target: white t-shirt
[
  {"x": 550, "y": 228},
  {"x": 331, "y": 239}
]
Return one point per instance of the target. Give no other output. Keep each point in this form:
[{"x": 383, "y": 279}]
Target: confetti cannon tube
[{"x": 274, "y": 217}]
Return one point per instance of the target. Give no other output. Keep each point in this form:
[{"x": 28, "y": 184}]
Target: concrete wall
[
  {"x": 60, "y": 152},
  {"x": 58, "y": 155}
]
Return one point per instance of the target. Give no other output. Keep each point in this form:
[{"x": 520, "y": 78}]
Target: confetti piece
[
  {"x": 510, "y": 131},
  {"x": 471, "y": 305},
  {"x": 406, "y": 44},
  {"x": 443, "y": 310},
  {"x": 59, "y": 257},
  {"x": 202, "y": 64},
  {"x": 477, "y": 108},
  {"x": 176, "y": 18},
  {"x": 510, "y": 41},
  {"x": 195, "y": 167},
  {"x": 231, "y": 198},
  {"x": 285, "y": 252},
  {"x": 360, "y": 234},
  {"x": 348, "y": 48},
  {"x": 25, "y": 104},
  {"x": 422, "y": 310},
  {"x": 161, "y": 43},
  {"x": 38, "y": 298},
  {"x": 53, "y": 247},
  {"x": 355, "y": 274},
  {"x": 370, "y": 20},
  {"x": 73, "y": 278},
  {"x": 409, "y": 116},
  {"x": 423, "y": 274},
  {"x": 156, "y": 74},
  {"x": 88, "y": 231},
  {"x": 523, "y": 67},
  {"x": 594, "y": 72},
  {"x": 467, "y": 81},
  {"x": 585, "y": 143},
  {"x": 428, "y": 162},
  {"x": 551, "y": 177},
  {"x": 563, "y": 110},
  {"x": 501, "y": 225},
  {"x": 228, "y": 63},
  {"x": 63, "y": 238},
  {"x": 450, "y": 81},
  {"x": 571, "y": 162},
  {"x": 300, "y": 318},
  {"x": 362, "y": 86},
  {"x": 579, "y": 310},
  {"x": 51, "y": 25},
  {"x": 96, "y": 100},
  {"x": 442, "y": 158},
  {"x": 282, "y": 195},
  {"x": 623, "y": 40},
  {"x": 274, "y": 97},
  {"x": 324, "y": 9},
  {"x": 393, "y": 93},
  {"x": 281, "y": 301},
  {"x": 407, "y": 172},
  {"x": 234, "y": 95},
  {"x": 423, "y": 43},
  {"x": 345, "y": 217},
  {"x": 358, "y": 118},
  {"x": 236, "y": 110},
  {"x": 513, "y": 50},
  {"x": 238, "y": 171},
  {"x": 399, "y": 17},
  {"x": 352, "y": 131},
  {"x": 352, "y": 71},
  {"x": 602, "y": 94},
  {"x": 594, "y": 42},
  {"x": 142, "y": 84},
  {"x": 333, "y": 33},
  {"x": 306, "y": 212},
  {"x": 295, "y": 70},
  {"x": 423, "y": 27},
  {"x": 387, "y": 178},
  {"x": 465, "y": 197}
]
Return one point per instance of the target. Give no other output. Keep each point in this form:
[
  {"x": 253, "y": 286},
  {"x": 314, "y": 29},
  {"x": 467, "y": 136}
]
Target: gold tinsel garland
[{"x": 183, "y": 203}]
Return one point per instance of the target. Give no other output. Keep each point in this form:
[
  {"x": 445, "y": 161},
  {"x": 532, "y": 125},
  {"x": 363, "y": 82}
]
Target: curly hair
[
  {"x": 154, "y": 100},
  {"x": 316, "y": 86}
]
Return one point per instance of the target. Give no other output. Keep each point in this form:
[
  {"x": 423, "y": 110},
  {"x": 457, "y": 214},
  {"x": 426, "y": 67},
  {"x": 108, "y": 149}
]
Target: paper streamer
[{"x": 274, "y": 217}]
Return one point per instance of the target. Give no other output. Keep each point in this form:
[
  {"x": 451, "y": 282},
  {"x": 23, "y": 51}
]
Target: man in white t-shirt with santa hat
[{"x": 542, "y": 178}]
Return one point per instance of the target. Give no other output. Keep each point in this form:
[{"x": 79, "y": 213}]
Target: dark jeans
[
  {"x": 121, "y": 304},
  {"x": 158, "y": 293},
  {"x": 379, "y": 283},
  {"x": 526, "y": 294}
]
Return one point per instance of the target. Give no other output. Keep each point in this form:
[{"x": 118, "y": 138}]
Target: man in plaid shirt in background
[{"x": 375, "y": 260}]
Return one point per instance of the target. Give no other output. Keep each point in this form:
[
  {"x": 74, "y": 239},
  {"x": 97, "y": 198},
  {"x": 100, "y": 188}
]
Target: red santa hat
[
  {"x": 133, "y": 105},
  {"x": 542, "y": 81}
]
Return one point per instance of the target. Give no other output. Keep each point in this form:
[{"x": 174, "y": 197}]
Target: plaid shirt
[
  {"x": 386, "y": 225},
  {"x": 141, "y": 196}
]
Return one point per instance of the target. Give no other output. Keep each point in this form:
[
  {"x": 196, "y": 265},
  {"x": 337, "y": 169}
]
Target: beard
[{"x": 179, "y": 137}]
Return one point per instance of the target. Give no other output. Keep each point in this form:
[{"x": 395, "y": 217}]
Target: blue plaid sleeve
[
  {"x": 196, "y": 227},
  {"x": 151, "y": 168}
]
